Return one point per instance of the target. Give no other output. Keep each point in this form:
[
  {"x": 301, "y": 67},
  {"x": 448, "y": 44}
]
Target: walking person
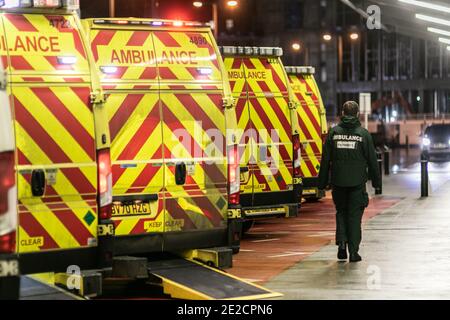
[{"x": 349, "y": 153}]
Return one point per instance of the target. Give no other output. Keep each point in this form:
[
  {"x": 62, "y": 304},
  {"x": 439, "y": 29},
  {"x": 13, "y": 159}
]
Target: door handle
[
  {"x": 180, "y": 173},
  {"x": 38, "y": 183},
  {"x": 244, "y": 169}
]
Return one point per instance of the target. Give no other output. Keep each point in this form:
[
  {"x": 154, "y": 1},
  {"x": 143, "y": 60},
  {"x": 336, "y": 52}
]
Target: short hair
[{"x": 350, "y": 108}]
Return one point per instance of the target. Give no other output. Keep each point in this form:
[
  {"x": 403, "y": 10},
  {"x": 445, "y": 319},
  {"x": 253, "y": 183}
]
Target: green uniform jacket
[{"x": 350, "y": 154}]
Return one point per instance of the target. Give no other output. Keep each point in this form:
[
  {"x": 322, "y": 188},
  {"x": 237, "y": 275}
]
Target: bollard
[
  {"x": 386, "y": 161},
  {"x": 380, "y": 166},
  {"x": 424, "y": 176}
]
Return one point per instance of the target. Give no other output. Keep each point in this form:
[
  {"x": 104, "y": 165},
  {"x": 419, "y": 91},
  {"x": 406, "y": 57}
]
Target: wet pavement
[{"x": 405, "y": 249}]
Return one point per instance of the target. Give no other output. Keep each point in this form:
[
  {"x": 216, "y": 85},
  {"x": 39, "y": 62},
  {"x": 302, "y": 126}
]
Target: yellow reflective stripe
[
  {"x": 80, "y": 112},
  {"x": 113, "y": 104},
  {"x": 185, "y": 41},
  {"x": 253, "y": 83},
  {"x": 127, "y": 132},
  {"x": 51, "y": 125},
  {"x": 57, "y": 230},
  {"x": 213, "y": 112},
  {"x": 191, "y": 124},
  {"x": 274, "y": 118},
  {"x": 29, "y": 148},
  {"x": 126, "y": 225}
]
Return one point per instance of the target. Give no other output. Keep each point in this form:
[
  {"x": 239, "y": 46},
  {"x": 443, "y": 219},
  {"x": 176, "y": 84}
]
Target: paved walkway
[{"x": 406, "y": 252}]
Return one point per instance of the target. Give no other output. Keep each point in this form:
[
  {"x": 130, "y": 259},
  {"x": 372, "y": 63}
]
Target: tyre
[{"x": 10, "y": 288}]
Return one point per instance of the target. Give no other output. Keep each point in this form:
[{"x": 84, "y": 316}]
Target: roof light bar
[
  {"x": 300, "y": 70},
  {"x": 251, "y": 51},
  {"x": 67, "y": 4},
  {"x": 427, "y": 5},
  {"x": 152, "y": 23},
  {"x": 433, "y": 19},
  {"x": 439, "y": 31}
]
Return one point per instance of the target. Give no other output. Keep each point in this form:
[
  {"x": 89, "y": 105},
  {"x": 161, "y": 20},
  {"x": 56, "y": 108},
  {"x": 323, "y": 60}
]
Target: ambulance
[
  {"x": 268, "y": 132},
  {"x": 61, "y": 145},
  {"x": 9, "y": 266},
  {"x": 175, "y": 171},
  {"x": 313, "y": 127}
]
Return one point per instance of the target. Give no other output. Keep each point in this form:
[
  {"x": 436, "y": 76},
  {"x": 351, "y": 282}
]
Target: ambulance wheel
[
  {"x": 247, "y": 225},
  {"x": 10, "y": 288}
]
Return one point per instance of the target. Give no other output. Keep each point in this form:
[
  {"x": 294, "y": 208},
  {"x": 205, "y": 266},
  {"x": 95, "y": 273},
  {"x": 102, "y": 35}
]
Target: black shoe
[
  {"x": 355, "y": 257},
  {"x": 342, "y": 251}
]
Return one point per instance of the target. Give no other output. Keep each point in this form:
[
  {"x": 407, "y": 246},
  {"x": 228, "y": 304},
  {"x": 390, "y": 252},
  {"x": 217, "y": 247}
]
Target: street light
[
  {"x": 327, "y": 37},
  {"x": 354, "y": 36},
  {"x": 296, "y": 46},
  {"x": 215, "y": 12}
]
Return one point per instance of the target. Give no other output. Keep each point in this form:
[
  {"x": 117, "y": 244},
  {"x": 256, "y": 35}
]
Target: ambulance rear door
[
  {"x": 268, "y": 102},
  {"x": 246, "y": 133},
  {"x": 310, "y": 120},
  {"x": 54, "y": 125},
  {"x": 126, "y": 61},
  {"x": 194, "y": 129}
]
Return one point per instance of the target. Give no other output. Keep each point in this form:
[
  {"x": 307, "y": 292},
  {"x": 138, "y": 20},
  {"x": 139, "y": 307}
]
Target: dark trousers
[{"x": 350, "y": 203}]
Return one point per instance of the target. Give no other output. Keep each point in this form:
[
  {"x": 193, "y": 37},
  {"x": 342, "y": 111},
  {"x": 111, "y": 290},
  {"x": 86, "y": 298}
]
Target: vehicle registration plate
[{"x": 131, "y": 209}]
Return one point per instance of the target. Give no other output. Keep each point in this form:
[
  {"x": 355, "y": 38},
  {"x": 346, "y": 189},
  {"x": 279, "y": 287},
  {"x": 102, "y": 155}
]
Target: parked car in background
[{"x": 436, "y": 142}]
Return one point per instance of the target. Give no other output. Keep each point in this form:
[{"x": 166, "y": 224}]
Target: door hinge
[
  {"x": 228, "y": 102},
  {"x": 3, "y": 80},
  {"x": 293, "y": 105},
  {"x": 97, "y": 97}
]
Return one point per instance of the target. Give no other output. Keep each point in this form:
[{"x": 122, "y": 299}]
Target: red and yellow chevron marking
[
  {"x": 186, "y": 56},
  {"x": 146, "y": 55},
  {"x": 203, "y": 197},
  {"x": 311, "y": 121},
  {"x": 135, "y": 126},
  {"x": 173, "y": 84},
  {"x": 131, "y": 52},
  {"x": 35, "y": 42},
  {"x": 260, "y": 86},
  {"x": 55, "y": 132},
  {"x": 245, "y": 134}
]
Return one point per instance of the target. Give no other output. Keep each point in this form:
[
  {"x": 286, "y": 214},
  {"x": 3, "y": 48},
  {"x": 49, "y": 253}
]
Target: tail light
[
  {"x": 104, "y": 184},
  {"x": 8, "y": 215},
  {"x": 297, "y": 155},
  {"x": 234, "y": 183}
]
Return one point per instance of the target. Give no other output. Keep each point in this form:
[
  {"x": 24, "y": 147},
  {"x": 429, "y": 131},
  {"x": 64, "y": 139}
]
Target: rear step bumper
[
  {"x": 287, "y": 210},
  {"x": 311, "y": 188},
  {"x": 170, "y": 241}
]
